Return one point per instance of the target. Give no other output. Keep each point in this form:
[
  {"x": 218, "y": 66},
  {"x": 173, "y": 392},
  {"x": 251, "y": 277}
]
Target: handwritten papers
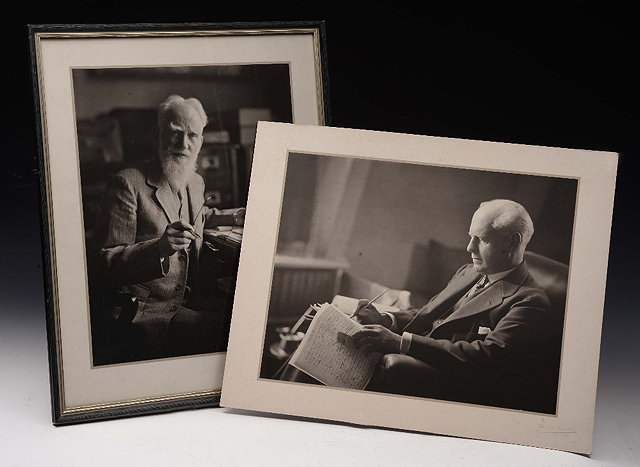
[{"x": 328, "y": 353}]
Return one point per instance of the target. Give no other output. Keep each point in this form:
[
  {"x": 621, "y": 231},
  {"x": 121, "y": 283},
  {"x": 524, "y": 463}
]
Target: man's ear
[{"x": 513, "y": 242}]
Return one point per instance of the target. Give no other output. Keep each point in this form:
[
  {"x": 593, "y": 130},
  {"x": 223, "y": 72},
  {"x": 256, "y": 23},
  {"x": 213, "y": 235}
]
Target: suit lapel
[
  {"x": 487, "y": 299},
  {"x": 168, "y": 202},
  {"x": 194, "y": 205},
  {"x": 491, "y": 297},
  {"x": 455, "y": 288},
  {"x": 444, "y": 300},
  {"x": 164, "y": 196},
  {"x": 195, "y": 200}
]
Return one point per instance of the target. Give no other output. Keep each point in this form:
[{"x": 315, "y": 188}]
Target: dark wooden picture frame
[{"x": 308, "y": 84}]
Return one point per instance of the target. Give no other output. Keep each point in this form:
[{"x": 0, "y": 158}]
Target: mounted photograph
[
  {"x": 423, "y": 283},
  {"x": 147, "y": 136},
  {"x": 444, "y": 289}
]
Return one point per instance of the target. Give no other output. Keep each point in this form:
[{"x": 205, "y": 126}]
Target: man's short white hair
[
  {"x": 510, "y": 217},
  {"x": 173, "y": 100}
]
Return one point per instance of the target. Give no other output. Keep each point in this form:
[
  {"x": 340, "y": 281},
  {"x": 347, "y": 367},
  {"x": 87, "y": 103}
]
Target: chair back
[{"x": 552, "y": 277}]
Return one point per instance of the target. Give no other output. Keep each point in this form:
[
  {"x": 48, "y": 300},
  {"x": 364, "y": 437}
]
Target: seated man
[
  {"x": 483, "y": 338},
  {"x": 149, "y": 234}
]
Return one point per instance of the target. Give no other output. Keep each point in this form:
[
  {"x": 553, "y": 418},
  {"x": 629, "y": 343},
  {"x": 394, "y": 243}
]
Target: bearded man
[{"x": 150, "y": 236}]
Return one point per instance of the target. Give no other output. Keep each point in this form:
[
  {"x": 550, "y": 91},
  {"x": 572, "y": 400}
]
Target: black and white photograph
[
  {"x": 146, "y": 153},
  {"x": 430, "y": 284},
  {"x": 454, "y": 280},
  {"x": 429, "y": 109},
  {"x": 165, "y": 156}
]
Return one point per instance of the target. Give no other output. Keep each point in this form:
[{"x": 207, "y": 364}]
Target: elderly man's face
[
  {"x": 181, "y": 134},
  {"x": 489, "y": 249}
]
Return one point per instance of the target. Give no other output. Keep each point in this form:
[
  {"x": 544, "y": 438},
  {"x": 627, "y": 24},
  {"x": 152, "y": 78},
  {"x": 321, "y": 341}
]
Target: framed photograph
[
  {"x": 146, "y": 145},
  {"x": 423, "y": 283}
]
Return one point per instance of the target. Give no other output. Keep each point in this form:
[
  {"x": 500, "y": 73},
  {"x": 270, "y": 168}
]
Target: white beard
[{"x": 177, "y": 171}]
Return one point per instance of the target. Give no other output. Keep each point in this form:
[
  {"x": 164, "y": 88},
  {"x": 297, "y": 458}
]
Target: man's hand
[
  {"x": 176, "y": 237},
  {"x": 370, "y": 315},
  {"x": 376, "y": 338}
]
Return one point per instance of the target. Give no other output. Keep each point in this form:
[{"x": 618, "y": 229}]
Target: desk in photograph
[{"x": 219, "y": 265}]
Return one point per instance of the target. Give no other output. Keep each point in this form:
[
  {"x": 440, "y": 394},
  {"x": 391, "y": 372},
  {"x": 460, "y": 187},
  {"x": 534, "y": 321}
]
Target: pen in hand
[
  {"x": 210, "y": 203},
  {"x": 355, "y": 313},
  {"x": 191, "y": 229}
]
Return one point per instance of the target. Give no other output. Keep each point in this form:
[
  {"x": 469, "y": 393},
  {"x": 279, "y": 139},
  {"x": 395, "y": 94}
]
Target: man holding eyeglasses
[{"x": 150, "y": 235}]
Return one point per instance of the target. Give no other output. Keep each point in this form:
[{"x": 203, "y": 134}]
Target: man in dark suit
[
  {"x": 150, "y": 236},
  {"x": 482, "y": 339}
]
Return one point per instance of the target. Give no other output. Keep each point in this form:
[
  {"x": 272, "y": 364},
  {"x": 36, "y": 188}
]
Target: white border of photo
[{"x": 570, "y": 429}]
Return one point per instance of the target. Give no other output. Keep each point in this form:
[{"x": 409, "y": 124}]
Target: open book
[{"x": 327, "y": 352}]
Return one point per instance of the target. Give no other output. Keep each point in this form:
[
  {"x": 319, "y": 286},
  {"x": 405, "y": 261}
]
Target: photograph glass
[{"x": 146, "y": 139}]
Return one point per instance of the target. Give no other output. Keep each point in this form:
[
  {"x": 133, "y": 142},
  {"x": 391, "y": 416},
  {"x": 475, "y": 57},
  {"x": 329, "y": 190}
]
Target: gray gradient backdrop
[{"x": 557, "y": 77}]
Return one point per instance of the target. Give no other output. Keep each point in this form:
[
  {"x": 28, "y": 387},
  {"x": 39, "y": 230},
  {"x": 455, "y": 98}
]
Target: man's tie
[
  {"x": 481, "y": 284},
  {"x": 476, "y": 289},
  {"x": 473, "y": 291}
]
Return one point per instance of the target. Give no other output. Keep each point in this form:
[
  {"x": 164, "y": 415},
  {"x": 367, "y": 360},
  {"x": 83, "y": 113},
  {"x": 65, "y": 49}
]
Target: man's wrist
[
  {"x": 387, "y": 320},
  {"x": 405, "y": 342}
]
